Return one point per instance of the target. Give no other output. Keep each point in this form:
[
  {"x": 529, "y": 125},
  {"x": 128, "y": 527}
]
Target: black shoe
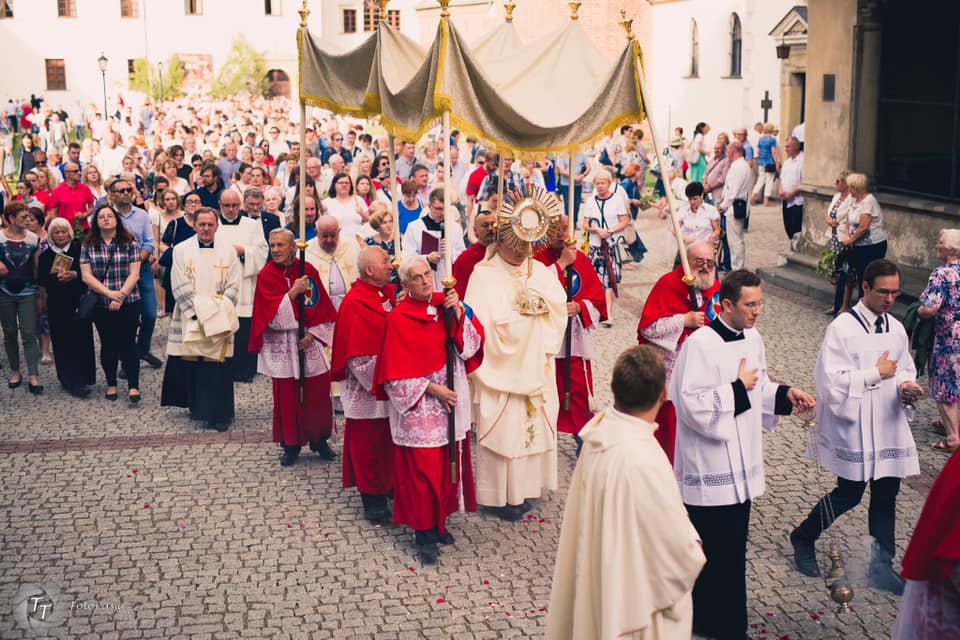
[
  {"x": 287, "y": 458},
  {"x": 110, "y": 396},
  {"x": 375, "y": 515},
  {"x": 152, "y": 360},
  {"x": 220, "y": 426},
  {"x": 122, "y": 373},
  {"x": 805, "y": 555},
  {"x": 881, "y": 574},
  {"x": 428, "y": 552},
  {"x": 14, "y": 385},
  {"x": 78, "y": 392},
  {"x": 134, "y": 399},
  {"x": 508, "y": 513},
  {"x": 35, "y": 389},
  {"x": 446, "y": 538},
  {"x": 322, "y": 449}
]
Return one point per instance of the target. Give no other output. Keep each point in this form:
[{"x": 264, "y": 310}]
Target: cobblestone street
[{"x": 138, "y": 525}]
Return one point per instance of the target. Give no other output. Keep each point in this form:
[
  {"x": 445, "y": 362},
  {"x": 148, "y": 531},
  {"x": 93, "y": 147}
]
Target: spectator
[
  {"x": 865, "y": 220},
  {"x": 605, "y": 218},
  {"x": 93, "y": 179},
  {"x": 716, "y": 173},
  {"x": 71, "y": 199},
  {"x": 842, "y": 273},
  {"x": 699, "y": 221},
  {"x": 696, "y": 152},
  {"x": 768, "y": 161},
  {"x": 210, "y": 186},
  {"x": 348, "y": 208},
  {"x": 19, "y": 248}
]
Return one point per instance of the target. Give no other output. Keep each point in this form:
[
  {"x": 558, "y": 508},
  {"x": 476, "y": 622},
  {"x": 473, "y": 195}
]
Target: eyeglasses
[
  {"x": 888, "y": 292},
  {"x": 191, "y": 201},
  {"x": 226, "y": 205},
  {"x": 754, "y": 305},
  {"x": 124, "y": 190},
  {"x": 338, "y": 139},
  {"x": 700, "y": 262},
  {"x": 71, "y": 170}
]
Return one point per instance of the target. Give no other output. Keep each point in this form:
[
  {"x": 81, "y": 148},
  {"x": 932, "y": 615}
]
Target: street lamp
[
  {"x": 160, "y": 66},
  {"x": 102, "y": 63}
]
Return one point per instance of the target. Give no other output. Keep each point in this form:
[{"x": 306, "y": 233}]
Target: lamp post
[
  {"x": 102, "y": 63},
  {"x": 160, "y": 67}
]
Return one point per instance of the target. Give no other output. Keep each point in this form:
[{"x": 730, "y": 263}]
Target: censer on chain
[{"x": 836, "y": 580}]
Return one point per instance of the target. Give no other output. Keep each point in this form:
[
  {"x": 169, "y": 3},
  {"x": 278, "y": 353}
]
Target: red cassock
[
  {"x": 368, "y": 449},
  {"x": 585, "y": 286},
  {"x": 934, "y": 548},
  {"x": 464, "y": 264},
  {"x": 414, "y": 347},
  {"x": 294, "y": 423},
  {"x": 669, "y": 297}
]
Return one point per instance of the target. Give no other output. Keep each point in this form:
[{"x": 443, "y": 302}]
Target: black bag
[
  {"x": 604, "y": 158},
  {"x": 88, "y": 301},
  {"x": 770, "y": 168},
  {"x": 740, "y": 209}
]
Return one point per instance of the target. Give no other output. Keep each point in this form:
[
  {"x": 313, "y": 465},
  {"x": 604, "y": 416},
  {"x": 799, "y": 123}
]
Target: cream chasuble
[{"x": 249, "y": 234}]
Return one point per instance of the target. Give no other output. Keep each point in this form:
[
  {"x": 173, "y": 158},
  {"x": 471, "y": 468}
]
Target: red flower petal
[
  {"x": 785, "y": 636},
  {"x": 440, "y": 600},
  {"x": 771, "y": 614},
  {"x": 507, "y": 613},
  {"x": 146, "y": 505},
  {"x": 183, "y": 526},
  {"x": 543, "y": 609},
  {"x": 410, "y": 569},
  {"x": 486, "y": 582}
]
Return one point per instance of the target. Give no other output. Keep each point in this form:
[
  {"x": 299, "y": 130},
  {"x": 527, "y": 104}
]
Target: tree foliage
[
  {"x": 147, "y": 79},
  {"x": 243, "y": 72}
]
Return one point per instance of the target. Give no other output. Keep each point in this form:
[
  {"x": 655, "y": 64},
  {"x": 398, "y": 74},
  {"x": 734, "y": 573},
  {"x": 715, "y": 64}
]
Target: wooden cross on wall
[{"x": 766, "y": 104}]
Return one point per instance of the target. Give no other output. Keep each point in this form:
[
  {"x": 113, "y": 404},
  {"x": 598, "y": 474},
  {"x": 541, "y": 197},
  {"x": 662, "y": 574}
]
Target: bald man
[{"x": 336, "y": 261}]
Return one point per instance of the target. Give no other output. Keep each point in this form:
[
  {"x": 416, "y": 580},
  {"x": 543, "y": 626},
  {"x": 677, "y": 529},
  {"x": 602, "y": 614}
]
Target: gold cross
[{"x": 223, "y": 269}]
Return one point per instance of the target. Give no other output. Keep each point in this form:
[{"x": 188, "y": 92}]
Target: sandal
[
  {"x": 944, "y": 447},
  {"x": 937, "y": 427}
]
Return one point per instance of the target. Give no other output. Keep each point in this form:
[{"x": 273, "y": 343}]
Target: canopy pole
[
  {"x": 301, "y": 218},
  {"x": 394, "y": 188},
  {"x": 570, "y": 192},
  {"x": 448, "y": 226}
]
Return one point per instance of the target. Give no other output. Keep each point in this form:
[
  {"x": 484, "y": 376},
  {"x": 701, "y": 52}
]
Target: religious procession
[{"x": 433, "y": 275}]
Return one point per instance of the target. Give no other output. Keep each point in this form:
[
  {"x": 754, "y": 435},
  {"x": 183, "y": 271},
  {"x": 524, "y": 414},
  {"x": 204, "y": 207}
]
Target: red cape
[
  {"x": 934, "y": 548},
  {"x": 586, "y": 284},
  {"x": 414, "y": 341},
  {"x": 273, "y": 284},
  {"x": 464, "y": 264},
  {"x": 669, "y": 297},
  {"x": 360, "y": 324}
]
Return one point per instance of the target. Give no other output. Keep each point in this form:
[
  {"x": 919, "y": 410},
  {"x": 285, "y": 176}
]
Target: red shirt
[
  {"x": 475, "y": 180},
  {"x": 69, "y": 201}
]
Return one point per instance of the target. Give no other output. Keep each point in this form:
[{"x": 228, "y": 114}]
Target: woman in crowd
[
  {"x": 362, "y": 166},
  {"x": 93, "y": 179},
  {"x": 768, "y": 163},
  {"x": 110, "y": 267},
  {"x": 632, "y": 188},
  {"x": 842, "y": 271},
  {"x": 716, "y": 174},
  {"x": 697, "y": 153},
  {"x": 272, "y": 199},
  {"x": 381, "y": 166},
  {"x": 160, "y": 218},
  {"x": 241, "y": 179},
  {"x": 699, "y": 221},
  {"x": 35, "y": 223},
  {"x": 178, "y": 184},
  {"x": 25, "y": 194},
  {"x": 293, "y": 193},
  {"x": 176, "y": 231},
  {"x": 44, "y": 185},
  {"x": 364, "y": 189},
  {"x": 941, "y": 301},
  {"x": 381, "y": 222},
  {"x": 19, "y": 248},
  {"x": 25, "y": 156},
  {"x": 605, "y": 216},
  {"x": 344, "y": 205},
  {"x": 58, "y": 275},
  {"x": 865, "y": 220}
]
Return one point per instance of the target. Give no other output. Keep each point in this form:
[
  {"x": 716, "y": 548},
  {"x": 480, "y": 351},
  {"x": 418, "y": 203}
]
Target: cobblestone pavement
[{"x": 137, "y": 525}]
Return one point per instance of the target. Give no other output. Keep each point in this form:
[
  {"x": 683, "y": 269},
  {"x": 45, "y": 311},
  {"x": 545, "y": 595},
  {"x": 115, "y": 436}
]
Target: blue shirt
[
  {"x": 748, "y": 152},
  {"x": 137, "y": 222},
  {"x": 579, "y": 166},
  {"x": 765, "y": 146},
  {"x": 408, "y": 215}
]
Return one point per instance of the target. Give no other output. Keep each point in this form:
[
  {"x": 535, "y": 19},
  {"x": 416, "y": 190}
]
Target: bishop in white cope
[
  {"x": 724, "y": 399},
  {"x": 863, "y": 435},
  {"x": 245, "y": 235},
  {"x": 628, "y": 555},
  {"x": 205, "y": 277}
]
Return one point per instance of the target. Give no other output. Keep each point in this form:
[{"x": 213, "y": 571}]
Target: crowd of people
[{"x": 453, "y": 399}]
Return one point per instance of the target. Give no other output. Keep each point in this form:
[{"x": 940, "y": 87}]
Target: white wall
[{"x": 723, "y": 103}]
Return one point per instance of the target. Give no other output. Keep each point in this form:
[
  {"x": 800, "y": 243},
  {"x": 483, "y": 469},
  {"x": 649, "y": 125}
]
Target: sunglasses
[{"x": 124, "y": 190}]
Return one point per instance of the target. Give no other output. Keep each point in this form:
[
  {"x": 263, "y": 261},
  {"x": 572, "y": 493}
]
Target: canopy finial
[
  {"x": 509, "y": 7},
  {"x": 383, "y": 9},
  {"x": 626, "y": 24},
  {"x": 304, "y": 14},
  {"x": 574, "y": 7},
  {"x": 444, "y": 8}
]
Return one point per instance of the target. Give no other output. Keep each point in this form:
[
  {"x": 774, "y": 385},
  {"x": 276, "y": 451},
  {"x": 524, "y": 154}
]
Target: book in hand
[
  {"x": 61, "y": 264},
  {"x": 429, "y": 243}
]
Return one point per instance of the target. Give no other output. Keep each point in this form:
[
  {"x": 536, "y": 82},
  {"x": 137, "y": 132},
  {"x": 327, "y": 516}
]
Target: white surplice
[
  {"x": 248, "y": 234},
  {"x": 411, "y": 246},
  {"x": 279, "y": 356}
]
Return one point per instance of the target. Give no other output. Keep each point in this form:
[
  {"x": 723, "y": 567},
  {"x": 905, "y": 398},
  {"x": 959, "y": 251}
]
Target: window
[
  {"x": 393, "y": 18},
  {"x": 193, "y": 7},
  {"x": 6, "y": 8},
  {"x": 271, "y": 7},
  {"x": 736, "y": 46},
  {"x": 918, "y": 110},
  {"x": 694, "y": 49},
  {"x": 371, "y": 16},
  {"x": 56, "y": 75},
  {"x": 67, "y": 8},
  {"x": 349, "y": 20},
  {"x": 129, "y": 9}
]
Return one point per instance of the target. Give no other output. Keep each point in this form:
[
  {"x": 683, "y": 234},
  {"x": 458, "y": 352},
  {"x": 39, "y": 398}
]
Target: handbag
[
  {"x": 88, "y": 301},
  {"x": 770, "y": 168},
  {"x": 740, "y": 209}
]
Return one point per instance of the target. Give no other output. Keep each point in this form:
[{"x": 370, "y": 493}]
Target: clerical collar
[
  {"x": 205, "y": 245},
  {"x": 235, "y": 221},
  {"x": 725, "y": 331},
  {"x": 432, "y": 224},
  {"x": 868, "y": 316}
]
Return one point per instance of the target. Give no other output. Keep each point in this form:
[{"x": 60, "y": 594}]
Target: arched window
[
  {"x": 736, "y": 46},
  {"x": 694, "y": 49}
]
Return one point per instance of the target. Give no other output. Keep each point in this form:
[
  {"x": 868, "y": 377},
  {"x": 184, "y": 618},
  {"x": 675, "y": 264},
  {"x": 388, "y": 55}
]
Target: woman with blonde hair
[
  {"x": 842, "y": 272},
  {"x": 93, "y": 179},
  {"x": 865, "y": 221},
  {"x": 768, "y": 162}
]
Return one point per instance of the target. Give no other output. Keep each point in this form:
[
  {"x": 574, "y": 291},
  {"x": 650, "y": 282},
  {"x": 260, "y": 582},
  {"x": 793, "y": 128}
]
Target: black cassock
[{"x": 203, "y": 386}]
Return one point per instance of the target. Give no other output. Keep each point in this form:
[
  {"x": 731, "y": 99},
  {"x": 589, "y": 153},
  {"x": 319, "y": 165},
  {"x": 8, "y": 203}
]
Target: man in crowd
[
  {"x": 206, "y": 280},
  {"x": 335, "y": 261},
  {"x": 581, "y": 168},
  {"x": 628, "y": 555},
  {"x": 336, "y": 148},
  {"x": 299, "y": 417},
  {"x": 488, "y": 164},
  {"x": 724, "y": 400},
  {"x": 734, "y": 203},
  {"x": 515, "y": 389},
  {"x": 230, "y": 163},
  {"x": 864, "y": 375},
  {"x": 421, "y": 175},
  {"x": 406, "y": 160},
  {"x": 412, "y": 373},
  {"x": 425, "y": 237},
  {"x": 791, "y": 176},
  {"x": 367, "y": 445},
  {"x": 668, "y": 319},
  {"x": 586, "y": 307},
  {"x": 210, "y": 186},
  {"x": 490, "y": 183},
  {"x": 253, "y": 209},
  {"x": 71, "y": 198},
  {"x": 486, "y": 234},
  {"x": 246, "y": 237}
]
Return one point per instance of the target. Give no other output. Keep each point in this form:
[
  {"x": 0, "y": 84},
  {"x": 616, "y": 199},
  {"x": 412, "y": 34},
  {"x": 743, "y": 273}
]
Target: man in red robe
[
  {"x": 273, "y": 335},
  {"x": 466, "y": 261},
  {"x": 587, "y": 307},
  {"x": 668, "y": 319},
  {"x": 412, "y": 373},
  {"x": 367, "y": 444}
]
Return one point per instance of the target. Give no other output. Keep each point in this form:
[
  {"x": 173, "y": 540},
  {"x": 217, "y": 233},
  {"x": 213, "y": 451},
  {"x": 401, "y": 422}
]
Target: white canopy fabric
[
  {"x": 560, "y": 97},
  {"x": 500, "y": 42}
]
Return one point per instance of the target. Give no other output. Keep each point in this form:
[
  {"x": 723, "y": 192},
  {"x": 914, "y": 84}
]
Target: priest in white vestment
[
  {"x": 515, "y": 389},
  {"x": 724, "y": 400},
  {"x": 863, "y": 374},
  {"x": 245, "y": 235},
  {"x": 206, "y": 279},
  {"x": 424, "y": 237},
  {"x": 628, "y": 555}
]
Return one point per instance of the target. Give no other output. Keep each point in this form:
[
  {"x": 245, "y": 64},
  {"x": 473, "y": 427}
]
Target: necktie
[{"x": 879, "y": 324}]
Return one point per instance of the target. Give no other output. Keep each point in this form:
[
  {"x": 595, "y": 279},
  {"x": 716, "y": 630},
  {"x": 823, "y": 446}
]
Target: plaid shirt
[{"x": 96, "y": 256}]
